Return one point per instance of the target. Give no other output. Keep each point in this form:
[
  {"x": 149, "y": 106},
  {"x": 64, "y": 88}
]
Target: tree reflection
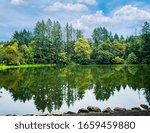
[
  {"x": 1, "y": 93},
  {"x": 51, "y": 87}
]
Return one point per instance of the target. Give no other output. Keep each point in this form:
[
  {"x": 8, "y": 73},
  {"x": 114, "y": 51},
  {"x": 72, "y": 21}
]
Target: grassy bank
[{"x": 3, "y": 67}]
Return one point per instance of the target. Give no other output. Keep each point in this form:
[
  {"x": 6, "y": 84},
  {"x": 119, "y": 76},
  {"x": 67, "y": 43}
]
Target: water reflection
[{"x": 50, "y": 88}]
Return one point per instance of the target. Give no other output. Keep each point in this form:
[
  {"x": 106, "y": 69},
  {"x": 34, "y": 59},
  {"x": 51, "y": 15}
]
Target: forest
[{"x": 50, "y": 43}]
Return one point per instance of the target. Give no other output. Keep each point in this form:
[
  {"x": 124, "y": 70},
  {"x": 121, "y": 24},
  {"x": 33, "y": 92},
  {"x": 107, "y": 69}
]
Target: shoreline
[
  {"x": 4, "y": 67},
  {"x": 95, "y": 111}
]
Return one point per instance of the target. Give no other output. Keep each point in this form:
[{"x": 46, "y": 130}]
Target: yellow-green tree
[
  {"x": 118, "y": 52},
  {"x": 10, "y": 55},
  {"x": 82, "y": 51}
]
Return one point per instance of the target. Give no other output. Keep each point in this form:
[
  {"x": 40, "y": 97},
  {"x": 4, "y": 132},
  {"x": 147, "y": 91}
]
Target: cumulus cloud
[
  {"x": 90, "y": 2},
  {"x": 17, "y": 2},
  {"x": 58, "y": 6},
  {"x": 125, "y": 14},
  {"x": 123, "y": 20},
  {"x": 130, "y": 13},
  {"x": 90, "y": 20}
]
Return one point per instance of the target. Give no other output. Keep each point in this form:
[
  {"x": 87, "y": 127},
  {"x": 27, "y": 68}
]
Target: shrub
[
  {"x": 118, "y": 60},
  {"x": 132, "y": 58}
]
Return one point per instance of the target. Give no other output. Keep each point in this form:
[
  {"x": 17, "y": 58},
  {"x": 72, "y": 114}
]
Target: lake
[{"x": 50, "y": 89}]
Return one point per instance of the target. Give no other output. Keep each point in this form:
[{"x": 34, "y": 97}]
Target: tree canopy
[{"x": 51, "y": 43}]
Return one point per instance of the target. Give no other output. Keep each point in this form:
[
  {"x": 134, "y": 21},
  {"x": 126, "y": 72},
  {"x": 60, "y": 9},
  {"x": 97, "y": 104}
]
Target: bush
[
  {"x": 132, "y": 58},
  {"x": 104, "y": 57},
  {"x": 63, "y": 59},
  {"x": 146, "y": 60},
  {"x": 118, "y": 60}
]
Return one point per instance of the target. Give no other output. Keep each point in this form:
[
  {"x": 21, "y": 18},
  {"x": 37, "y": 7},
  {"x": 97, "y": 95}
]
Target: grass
[{"x": 3, "y": 67}]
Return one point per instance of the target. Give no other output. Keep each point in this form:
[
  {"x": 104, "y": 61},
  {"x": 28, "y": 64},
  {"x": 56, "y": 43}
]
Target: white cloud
[
  {"x": 17, "y": 2},
  {"x": 130, "y": 13},
  {"x": 87, "y": 21},
  {"x": 123, "y": 15},
  {"x": 90, "y": 2},
  {"x": 126, "y": 16},
  {"x": 58, "y": 6}
]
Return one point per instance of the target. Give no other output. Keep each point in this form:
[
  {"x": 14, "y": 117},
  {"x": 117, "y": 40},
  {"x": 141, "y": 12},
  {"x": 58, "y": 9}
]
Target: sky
[{"x": 124, "y": 17}]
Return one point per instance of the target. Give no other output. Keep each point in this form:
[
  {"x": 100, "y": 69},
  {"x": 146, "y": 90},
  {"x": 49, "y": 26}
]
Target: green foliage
[
  {"x": 10, "y": 55},
  {"x": 134, "y": 45},
  {"x": 79, "y": 34},
  {"x": 132, "y": 59},
  {"x": 82, "y": 51},
  {"x": 116, "y": 37},
  {"x": 70, "y": 38},
  {"x": 71, "y": 35},
  {"x": 103, "y": 53},
  {"x": 118, "y": 60},
  {"x": 99, "y": 35},
  {"x": 104, "y": 57},
  {"x": 118, "y": 48},
  {"x": 52, "y": 44},
  {"x": 27, "y": 55},
  {"x": 23, "y": 37},
  {"x": 41, "y": 41},
  {"x": 146, "y": 43},
  {"x": 63, "y": 59}
]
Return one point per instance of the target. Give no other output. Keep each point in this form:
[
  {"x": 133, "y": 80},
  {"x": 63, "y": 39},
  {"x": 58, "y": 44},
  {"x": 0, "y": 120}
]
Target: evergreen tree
[
  {"x": 146, "y": 42},
  {"x": 41, "y": 41},
  {"x": 23, "y": 37},
  {"x": 57, "y": 40},
  {"x": 116, "y": 37},
  {"x": 79, "y": 34},
  {"x": 99, "y": 35}
]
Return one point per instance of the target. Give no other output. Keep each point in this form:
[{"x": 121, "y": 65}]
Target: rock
[
  {"x": 107, "y": 110},
  {"x": 57, "y": 114},
  {"x": 41, "y": 114},
  {"x": 69, "y": 113},
  {"x": 93, "y": 109},
  {"x": 136, "y": 109},
  {"x": 82, "y": 110},
  {"x": 28, "y": 115},
  {"x": 11, "y": 115},
  {"x": 144, "y": 106},
  {"x": 118, "y": 109},
  {"x": 49, "y": 114}
]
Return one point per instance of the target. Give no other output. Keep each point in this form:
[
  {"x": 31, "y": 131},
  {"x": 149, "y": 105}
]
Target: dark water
[{"x": 48, "y": 89}]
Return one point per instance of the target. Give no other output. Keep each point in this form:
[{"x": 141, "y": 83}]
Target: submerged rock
[
  {"x": 118, "y": 109},
  {"x": 136, "y": 109},
  {"x": 144, "y": 106},
  {"x": 107, "y": 110},
  {"x": 82, "y": 110},
  {"x": 93, "y": 109}
]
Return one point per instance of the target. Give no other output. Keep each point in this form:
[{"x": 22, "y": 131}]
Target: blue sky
[{"x": 121, "y": 16}]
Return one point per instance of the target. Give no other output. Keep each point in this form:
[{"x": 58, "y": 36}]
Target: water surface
[{"x": 49, "y": 89}]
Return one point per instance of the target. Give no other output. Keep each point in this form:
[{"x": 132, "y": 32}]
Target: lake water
[{"x": 49, "y": 89}]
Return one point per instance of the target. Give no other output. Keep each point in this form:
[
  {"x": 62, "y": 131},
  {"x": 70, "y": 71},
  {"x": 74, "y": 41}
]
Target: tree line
[{"x": 49, "y": 43}]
